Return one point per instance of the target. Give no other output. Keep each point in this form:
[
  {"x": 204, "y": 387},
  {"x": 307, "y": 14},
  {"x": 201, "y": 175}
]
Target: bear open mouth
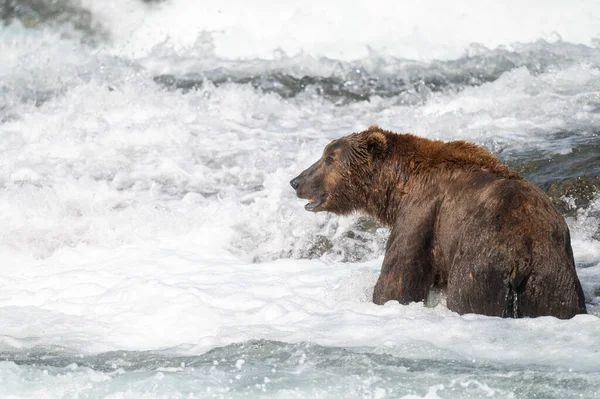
[{"x": 313, "y": 204}]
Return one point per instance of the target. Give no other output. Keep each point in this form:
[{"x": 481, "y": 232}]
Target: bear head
[{"x": 339, "y": 181}]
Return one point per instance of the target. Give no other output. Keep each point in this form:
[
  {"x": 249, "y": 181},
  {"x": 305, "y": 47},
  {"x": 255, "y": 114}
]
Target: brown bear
[{"x": 460, "y": 220}]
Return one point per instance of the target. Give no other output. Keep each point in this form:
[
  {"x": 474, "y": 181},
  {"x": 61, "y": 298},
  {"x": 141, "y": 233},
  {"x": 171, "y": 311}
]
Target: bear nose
[{"x": 295, "y": 183}]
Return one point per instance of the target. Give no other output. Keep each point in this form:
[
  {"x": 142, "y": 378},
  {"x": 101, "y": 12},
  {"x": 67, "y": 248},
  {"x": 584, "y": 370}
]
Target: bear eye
[{"x": 329, "y": 160}]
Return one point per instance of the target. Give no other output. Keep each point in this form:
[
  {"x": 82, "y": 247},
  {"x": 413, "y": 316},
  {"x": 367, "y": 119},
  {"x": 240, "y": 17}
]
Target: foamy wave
[{"x": 413, "y": 30}]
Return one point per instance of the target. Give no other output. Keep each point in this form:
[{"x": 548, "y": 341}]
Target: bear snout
[{"x": 295, "y": 182}]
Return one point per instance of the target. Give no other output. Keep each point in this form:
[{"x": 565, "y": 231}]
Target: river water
[{"x": 151, "y": 245}]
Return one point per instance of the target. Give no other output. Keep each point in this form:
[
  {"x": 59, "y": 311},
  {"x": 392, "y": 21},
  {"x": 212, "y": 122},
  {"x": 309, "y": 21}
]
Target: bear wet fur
[{"x": 460, "y": 221}]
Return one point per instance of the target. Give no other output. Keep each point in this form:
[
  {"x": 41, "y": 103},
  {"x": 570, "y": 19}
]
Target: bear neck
[{"x": 414, "y": 168}]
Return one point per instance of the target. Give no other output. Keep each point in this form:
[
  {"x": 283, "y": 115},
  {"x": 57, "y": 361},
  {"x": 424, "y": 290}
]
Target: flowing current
[{"x": 151, "y": 245}]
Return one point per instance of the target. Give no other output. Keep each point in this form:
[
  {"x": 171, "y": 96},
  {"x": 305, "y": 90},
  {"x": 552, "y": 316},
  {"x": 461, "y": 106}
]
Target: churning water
[{"x": 152, "y": 247}]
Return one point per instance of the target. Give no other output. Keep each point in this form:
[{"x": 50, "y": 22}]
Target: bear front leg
[{"x": 407, "y": 272}]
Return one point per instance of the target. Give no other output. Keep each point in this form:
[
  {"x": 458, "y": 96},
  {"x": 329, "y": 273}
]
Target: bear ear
[{"x": 377, "y": 144}]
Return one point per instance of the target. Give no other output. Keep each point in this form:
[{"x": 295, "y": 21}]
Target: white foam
[
  {"x": 584, "y": 238},
  {"x": 142, "y": 297},
  {"x": 143, "y": 219},
  {"x": 339, "y": 30}
]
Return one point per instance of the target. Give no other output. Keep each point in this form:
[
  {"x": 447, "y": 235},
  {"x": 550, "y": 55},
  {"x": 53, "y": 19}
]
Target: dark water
[
  {"x": 412, "y": 82},
  {"x": 270, "y": 368}
]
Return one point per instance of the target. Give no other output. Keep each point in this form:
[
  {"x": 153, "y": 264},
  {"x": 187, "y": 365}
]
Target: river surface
[{"x": 151, "y": 245}]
